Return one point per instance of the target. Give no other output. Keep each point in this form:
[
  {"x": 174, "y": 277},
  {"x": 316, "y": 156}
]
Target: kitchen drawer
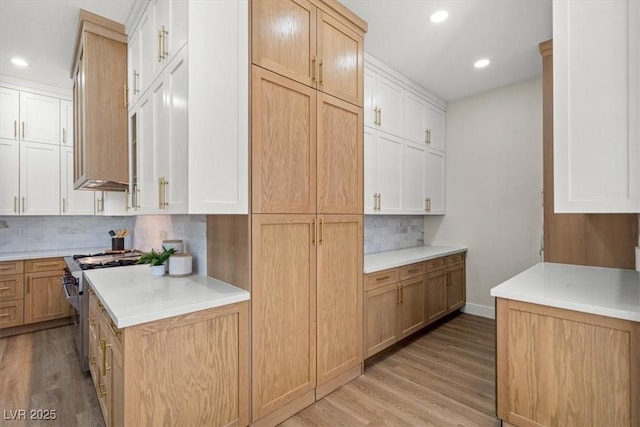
[
  {"x": 11, "y": 267},
  {"x": 11, "y": 313},
  {"x": 44, "y": 264},
  {"x": 436, "y": 263},
  {"x": 11, "y": 287},
  {"x": 455, "y": 258},
  {"x": 412, "y": 270},
  {"x": 380, "y": 278}
]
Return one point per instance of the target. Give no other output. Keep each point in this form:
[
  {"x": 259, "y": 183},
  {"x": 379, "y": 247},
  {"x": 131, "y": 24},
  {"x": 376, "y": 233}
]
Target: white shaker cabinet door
[
  {"x": 414, "y": 180},
  {"x": 389, "y": 169},
  {"x": 389, "y": 100},
  {"x": 9, "y": 177},
  {"x": 415, "y": 118},
  {"x": 596, "y": 95},
  {"x": 436, "y": 125},
  {"x": 436, "y": 185},
  {"x": 72, "y": 202},
  {"x": 66, "y": 123},
  {"x": 39, "y": 118},
  {"x": 9, "y": 113},
  {"x": 39, "y": 179}
]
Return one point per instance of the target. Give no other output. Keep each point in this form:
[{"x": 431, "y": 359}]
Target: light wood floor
[{"x": 443, "y": 377}]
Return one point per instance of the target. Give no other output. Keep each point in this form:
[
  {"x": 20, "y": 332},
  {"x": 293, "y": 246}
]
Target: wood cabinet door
[
  {"x": 339, "y": 294},
  {"x": 283, "y": 38},
  {"x": 44, "y": 297},
  {"x": 283, "y": 130},
  {"x": 11, "y": 313},
  {"x": 341, "y": 56},
  {"x": 340, "y": 160},
  {"x": 456, "y": 287},
  {"x": 381, "y": 308},
  {"x": 11, "y": 287},
  {"x": 436, "y": 301},
  {"x": 283, "y": 296},
  {"x": 412, "y": 313}
]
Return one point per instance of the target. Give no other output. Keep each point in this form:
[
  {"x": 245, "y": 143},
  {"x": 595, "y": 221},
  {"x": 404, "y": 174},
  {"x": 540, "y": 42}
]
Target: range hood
[{"x": 99, "y": 73}]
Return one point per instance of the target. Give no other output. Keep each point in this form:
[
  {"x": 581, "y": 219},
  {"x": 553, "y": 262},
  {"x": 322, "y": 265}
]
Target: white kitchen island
[
  {"x": 168, "y": 350},
  {"x": 568, "y": 347}
]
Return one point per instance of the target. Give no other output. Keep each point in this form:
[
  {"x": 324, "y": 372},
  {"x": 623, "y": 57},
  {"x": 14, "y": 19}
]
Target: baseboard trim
[{"x": 480, "y": 310}]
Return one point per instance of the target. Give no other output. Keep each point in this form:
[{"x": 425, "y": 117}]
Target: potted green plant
[{"x": 157, "y": 260}]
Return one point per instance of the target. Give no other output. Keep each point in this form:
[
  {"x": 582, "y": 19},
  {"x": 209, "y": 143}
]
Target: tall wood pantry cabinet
[{"x": 303, "y": 239}]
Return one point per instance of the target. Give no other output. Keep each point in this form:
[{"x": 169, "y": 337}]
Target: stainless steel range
[{"x": 78, "y": 296}]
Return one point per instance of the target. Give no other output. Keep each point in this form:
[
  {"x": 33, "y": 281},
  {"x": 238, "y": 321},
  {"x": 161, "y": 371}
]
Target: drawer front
[
  {"x": 455, "y": 258},
  {"x": 436, "y": 263},
  {"x": 412, "y": 270},
  {"x": 11, "y": 267},
  {"x": 11, "y": 313},
  {"x": 380, "y": 278},
  {"x": 11, "y": 287},
  {"x": 45, "y": 264}
]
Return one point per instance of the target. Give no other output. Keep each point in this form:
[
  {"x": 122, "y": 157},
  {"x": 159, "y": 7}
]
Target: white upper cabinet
[
  {"x": 404, "y": 145},
  {"x": 189, "y": 122},
  {"x": 39, "y": 179},
  {"x": 9, "y": 176},
  {"x": 39, "y": 118},
  {"x": 72, "y": 202},
  {"x": 133, "y": 68},
  {"x": 596, "y": 69},
  {"x": 9, "y": 113},
  {"x": 66, "y": 123}
]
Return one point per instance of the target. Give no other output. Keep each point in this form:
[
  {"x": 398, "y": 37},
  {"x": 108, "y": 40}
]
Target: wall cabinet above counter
[{"x": 405, "y": 149}]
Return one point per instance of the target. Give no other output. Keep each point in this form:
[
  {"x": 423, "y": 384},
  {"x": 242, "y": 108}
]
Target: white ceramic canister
[{"x": 180, "y": 265}]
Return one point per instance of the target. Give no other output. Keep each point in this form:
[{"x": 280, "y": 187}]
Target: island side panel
[{"x": 560, "y": 367}]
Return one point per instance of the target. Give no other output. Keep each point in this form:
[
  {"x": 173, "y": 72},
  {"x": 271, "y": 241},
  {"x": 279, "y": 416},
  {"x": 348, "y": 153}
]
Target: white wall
[{"x": 494, "y": 184}]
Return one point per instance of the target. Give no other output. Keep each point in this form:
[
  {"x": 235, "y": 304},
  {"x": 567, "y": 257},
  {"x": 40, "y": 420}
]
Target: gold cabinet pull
[
  {"x": 4, "y": 315},
  {"x": 125, "y": 96},
  {"x": 380, "y": 279},
  {"x": 5, "y": 288},
  {"x": 320, "y": 71},
  {"x": 101, "y": 393},
  {"x": 162, "y": 193},
  {"x": 15, "y": 129},
  {"x": 401, "y": 295},
  {"x": 379, "y": 116},
  {"x": 159, "y": 45},
  {"x": 313, "y": 232},
  {"x": 321, "y": 231},
  {"x": 165, "y": 193},
  {"x": 64, "y": 136},
  {"x": 313, "y": 69},
  {"x": 24, "y": 205},
  {"x": 136, "y": 77},
  {"x": 136, "y": 203},
  {"x": 428, "y": 204},
  {"x": 64, "y": 205},
  {"x": 126, "y": 200},
  {"x": 398, "y": 295},
  {"x": 379, "y": 201},
  {"x": 164, "y": 52},
  {"x": 22, "y": 130},
  {"x": 15, "y": 204},
  {"x": 375, "y": 116}
]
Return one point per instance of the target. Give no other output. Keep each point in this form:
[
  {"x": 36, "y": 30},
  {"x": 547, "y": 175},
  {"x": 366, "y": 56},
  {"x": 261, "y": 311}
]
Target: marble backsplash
[
  {"x": 38, "y": 233},
  {"x": 391, "y": 232}
]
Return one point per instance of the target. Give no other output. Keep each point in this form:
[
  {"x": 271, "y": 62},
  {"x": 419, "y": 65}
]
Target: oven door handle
[{"x": 74, "y": 300}]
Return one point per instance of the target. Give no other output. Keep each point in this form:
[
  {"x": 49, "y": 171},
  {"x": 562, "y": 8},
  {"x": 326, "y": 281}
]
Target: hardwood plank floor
[
  {"x": 442, "y": 377},
  {"x": 41, "y": 371}
]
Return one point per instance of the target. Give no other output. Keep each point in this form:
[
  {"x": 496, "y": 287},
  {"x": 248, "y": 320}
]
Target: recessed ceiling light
[
  {"x": 481, "y": 63},
  {"x": 19, "y": 62},
  {"x": 439, "y": 16}
]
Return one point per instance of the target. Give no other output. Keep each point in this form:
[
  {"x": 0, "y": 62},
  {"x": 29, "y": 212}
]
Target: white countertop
[
  {"x": 391, "y": 259},
  {"x": 133, "y": 296},
  {"x": 52, "y": 253},
  {"x": 605, "y": 291}
]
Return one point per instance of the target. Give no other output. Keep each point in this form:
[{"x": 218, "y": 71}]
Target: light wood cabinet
[
  {"x": 325, "y": 51},
  {"x": 99, "y": 72},
  {"x": 11, "y": 294},
  {"x": 306, "y": 149},
  {"x": 403, "y": 300},
  {"x": 594, "y": 103},
  {"x": 133, "y": 392},
  {"x": 558, "y": 367},
  {"x": 44, "y": 297}
]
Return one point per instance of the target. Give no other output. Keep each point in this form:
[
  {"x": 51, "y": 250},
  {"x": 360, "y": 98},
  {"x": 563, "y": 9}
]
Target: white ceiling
[{"x": 439, "y": 57}]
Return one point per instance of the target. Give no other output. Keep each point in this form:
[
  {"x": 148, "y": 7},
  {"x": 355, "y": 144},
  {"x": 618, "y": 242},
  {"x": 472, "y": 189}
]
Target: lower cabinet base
[
  {"x": 339, "y": 381},
  {"x": 286, "y": 411}
]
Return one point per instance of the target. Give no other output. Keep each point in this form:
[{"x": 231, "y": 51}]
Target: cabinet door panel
[
  {"x": 413, "y": 179},
  {"x": 339, "y": 295},
  {"x": 342, "y": 60},
  {"x": 39, "y": 118},
  {"x": 436, "y": 304},
  {"x": 389, "y": 169},
  {"x": 381, "y": 318},
  {"x": 11, "y": 287},
  {"x": 415, "y": 118},
  {"x": 284, "y": 310},
  {"x": 283, "y": 144},
  {"x": 390, "y": 101},
  {"x": 9, "y": 176},
  {"x": 9, "y": 113},
  {"x": 66, "y": 123},
  {"x": 435, "y": 186},
  {"x": 412, "y": 313},
  {"x": 339, "y": 180},
  {"x": 44, "y": 298},
  {"x": 456, "y": 287},
  {"x": 436, "y": 125},
  {"x": 39, "y": 167},
  {"x": 144, "y": 194},
  {"x": 283, "y": 37},
  {"x": 369, "y": 171},
  {"x": 73, "y": 202}
]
